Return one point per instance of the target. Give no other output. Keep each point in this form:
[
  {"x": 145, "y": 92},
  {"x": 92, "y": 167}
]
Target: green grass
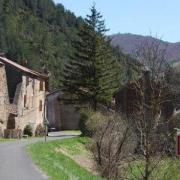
[
  {"x": 58, "y": 166},
  {"x": 167, "y": 169},
  {"x": 2, "y": 140},
  {"x": 72, "y": 131},
  {"x": 75, "y": 146}
]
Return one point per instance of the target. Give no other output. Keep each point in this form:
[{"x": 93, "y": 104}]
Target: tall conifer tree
[{"x": 91, "y": 76}]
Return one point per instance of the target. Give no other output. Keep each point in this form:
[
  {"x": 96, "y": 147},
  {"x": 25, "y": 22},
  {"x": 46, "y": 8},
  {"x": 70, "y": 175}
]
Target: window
[
  {"x": 32, "y": 101},
  {"x": 41, "y": 86},
  {"x": 33, "y": 85},
  {"x": 46, "y": 85},
  {"x": 25, "y": 100},
  {"x": 27, "y": 80},
  {"x": 40, "y": 105}
]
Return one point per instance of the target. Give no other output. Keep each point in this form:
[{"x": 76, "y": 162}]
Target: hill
[
  {"x": 38, "y": 34},
  {"x": 128, "y": 43},
  {"x": 176, "y": 66}
]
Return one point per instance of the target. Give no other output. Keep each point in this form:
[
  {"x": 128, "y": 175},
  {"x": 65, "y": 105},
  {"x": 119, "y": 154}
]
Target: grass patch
[
  {"x": 72, "y": 131},
  {"x": 167, "y": 169},
  {"x": 67, "y": 132},
  {"x": 59, "y": 166},
  {"x": 75, "y": 146},
  {"x": 6, "y": 140},
  {"x": 56, "y": 164}
]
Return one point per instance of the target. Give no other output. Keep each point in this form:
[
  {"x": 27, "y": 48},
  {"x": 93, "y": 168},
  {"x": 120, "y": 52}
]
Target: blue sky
[{"x": 158, "y": 17}]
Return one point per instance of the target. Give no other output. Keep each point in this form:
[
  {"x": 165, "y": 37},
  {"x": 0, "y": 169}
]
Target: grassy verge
[
  {"x": 167, "y": 169},
  {"x": 56, "y": 164},
  {"x": 6, "y": 140}
]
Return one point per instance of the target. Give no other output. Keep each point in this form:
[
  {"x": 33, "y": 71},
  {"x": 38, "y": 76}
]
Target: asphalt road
[{"x": 15, "y": 164}]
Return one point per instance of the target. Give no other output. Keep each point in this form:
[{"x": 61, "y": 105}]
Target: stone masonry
[{"x": 22, "y": 96}]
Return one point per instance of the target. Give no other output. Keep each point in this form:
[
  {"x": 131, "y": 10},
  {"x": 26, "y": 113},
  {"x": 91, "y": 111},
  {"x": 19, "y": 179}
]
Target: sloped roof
[
  {"x": 22, "y": 68},
  {"x": 1, "y": 64}
]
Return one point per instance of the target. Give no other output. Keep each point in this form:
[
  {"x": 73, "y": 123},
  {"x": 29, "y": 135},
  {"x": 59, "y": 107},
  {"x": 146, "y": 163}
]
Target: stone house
[
  {"x": 61, "y": 116},
  {"x": 22, "y": 96}
]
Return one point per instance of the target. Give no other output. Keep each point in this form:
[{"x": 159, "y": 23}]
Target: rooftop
[{"x": 22, "y": 68}]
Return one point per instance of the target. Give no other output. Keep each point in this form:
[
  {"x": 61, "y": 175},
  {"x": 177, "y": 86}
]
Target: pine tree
[{"x": 91, "y": 75}]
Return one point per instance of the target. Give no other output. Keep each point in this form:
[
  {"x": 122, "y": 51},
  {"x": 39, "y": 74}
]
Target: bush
[
  {"x": 174, "y": 122},
  {"x": 112, "y": 144},
  {"x": 12, "y": 133},
  {"x": 84, "y": 118},
  {"x": 1, "y": 132},
  {"x": 28, "y": 130},
  {"x": 40, "y": 130}
]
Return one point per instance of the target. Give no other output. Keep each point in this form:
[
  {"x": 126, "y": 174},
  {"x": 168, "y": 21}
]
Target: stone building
[
  {"x": 22, "y": 96},
  {"x": 61, "y": 116}
]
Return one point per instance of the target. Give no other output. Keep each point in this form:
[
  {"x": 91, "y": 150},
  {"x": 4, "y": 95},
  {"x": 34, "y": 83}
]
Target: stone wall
[
  {"x": 30, "y": 103},
  {"x": 25, "y": 105},
  {"x": 4, "y": 100}
]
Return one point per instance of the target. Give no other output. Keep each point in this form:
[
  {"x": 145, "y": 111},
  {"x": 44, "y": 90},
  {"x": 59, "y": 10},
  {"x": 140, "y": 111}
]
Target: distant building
[
  {"x": 129, "y": 96},
  {"x": 22, "y": 96},
  {"x": 61, "y": 116}
]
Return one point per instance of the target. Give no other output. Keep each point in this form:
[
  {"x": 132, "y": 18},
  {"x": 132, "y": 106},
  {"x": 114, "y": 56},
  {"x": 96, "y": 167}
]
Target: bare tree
[
  {"x": 112, "y": 144},
  {"x": 136, "y": 148},
  {"x": 147, "y": 118},
  {"x": 174, "y": 82}
]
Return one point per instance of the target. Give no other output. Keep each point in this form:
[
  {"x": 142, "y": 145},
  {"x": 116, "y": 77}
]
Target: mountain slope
[
  {"x": 129, "y": 43},
  {"x": 38, "y": 34}
]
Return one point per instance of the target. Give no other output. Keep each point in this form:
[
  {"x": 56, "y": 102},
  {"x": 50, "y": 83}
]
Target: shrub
[
  {"x": 40, "y": 130},
  {"x": 28, "y": 130},
  {"x": 12, "y": 133},
  {"x": 84, "y": 118},
  {"x": 174, "y": 122},
  {"x": 1, "y": 132},
  {"x": 112, "y": 143}
]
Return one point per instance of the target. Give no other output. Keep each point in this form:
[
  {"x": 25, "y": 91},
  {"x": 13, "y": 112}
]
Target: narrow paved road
[{"x": 15, "y": 164}]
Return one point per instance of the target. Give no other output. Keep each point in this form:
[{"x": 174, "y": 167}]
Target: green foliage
[
  {"x": 92, "y": 74},
  {"x": 167, "y": 169},
  {"x": 91, "y": 121},
  {"x": 38, "y": 32},
  {"x": 84, "y": 118},
  {"x": 2, "y": 140},
  {"x": 44, "y": 36},
  {"x": 76, "y": 146},
  {"x": 28, "y": 130}
]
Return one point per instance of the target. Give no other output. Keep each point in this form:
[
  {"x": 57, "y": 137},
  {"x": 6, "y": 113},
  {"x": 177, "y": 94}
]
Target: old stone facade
[
  {"x": 22, "y": 96},
  {"x": 4, "y": 102}
]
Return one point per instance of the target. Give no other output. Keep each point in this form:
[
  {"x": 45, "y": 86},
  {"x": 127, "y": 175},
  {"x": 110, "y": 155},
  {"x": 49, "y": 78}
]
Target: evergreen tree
[
  {"x": 91, "y": 75},
  {"x": 38, "y": 34}
]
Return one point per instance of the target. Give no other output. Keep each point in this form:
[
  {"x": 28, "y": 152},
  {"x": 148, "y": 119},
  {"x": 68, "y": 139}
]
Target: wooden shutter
[
  {"x": 40, "y": 105},
  {"x": 41, "y": 85},
  {"x": 25, "y": 100},
  {"x": 27, "y": 80}
]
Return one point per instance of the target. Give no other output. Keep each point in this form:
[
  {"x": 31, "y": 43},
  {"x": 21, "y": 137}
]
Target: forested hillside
[{"x": 38, "y": 34}]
